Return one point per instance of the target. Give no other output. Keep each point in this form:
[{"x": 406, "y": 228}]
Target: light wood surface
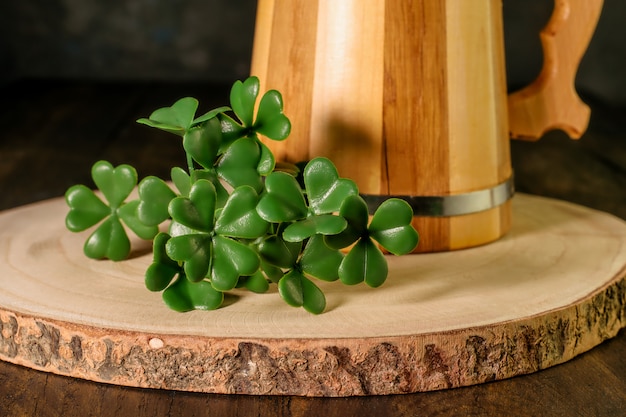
[
  {"x": 551, "y": 289},
  {"x": 551, "y": 101}
]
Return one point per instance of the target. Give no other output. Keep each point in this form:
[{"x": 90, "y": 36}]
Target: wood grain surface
[
  {"x": 553, "y": 288},
  {"x": 44, "y": 151}
]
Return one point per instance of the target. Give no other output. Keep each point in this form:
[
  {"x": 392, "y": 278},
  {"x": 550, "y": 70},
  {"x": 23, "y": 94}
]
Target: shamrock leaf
[
  {"x": 323, "y": 224},
  {"x": 109, "y": 240},
  {"x": 194, "y": 245},
  {"x": 283, "y": 200},
  {"x": 86, "y": 209},
  {"x": 354, "y": 211},
  {"x": 202, "y": 142},
  {"x": 319, "y": 260},
  {"x": 185, "y": 295},
  {"x": 195, "y": 250},
  {"x": 210, "y": 115},
  {"x": 162, "y": 270},
  {"x": 278, "y": 252},
  {"x": 179, "y": 117},
  {"x": 364, "y": 262},
  {"x": 232, "y": 260},
  {"x": 115, "y": 183},
  {"x": 181, "y": 180},
  {"x": 391, "y": 227},
  {"x": 239, "y": 217},
  {"x": 256, "y": 283},
  {"x": 154, "y": 198},
  {"x": 198, "y": 210},
  {"x": 242, "y": 99},
  {"x": 174, "y": 119},
  {"x": 299, "y": 291},
  {"x": 271, "y": 121},
  {"x": 129, "y": 214},
  {"x": 325, "y": 190},
  {"x": 238, "y": 165}
]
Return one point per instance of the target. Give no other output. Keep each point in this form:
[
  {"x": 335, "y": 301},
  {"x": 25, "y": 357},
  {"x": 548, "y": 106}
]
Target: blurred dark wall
[
  {"x": 212, "y": 40},
  {"x": 126, "y": 39}
]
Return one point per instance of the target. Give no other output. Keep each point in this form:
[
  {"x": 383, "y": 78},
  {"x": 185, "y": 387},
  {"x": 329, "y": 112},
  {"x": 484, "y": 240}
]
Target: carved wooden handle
[{"x": 551, "y": 101}]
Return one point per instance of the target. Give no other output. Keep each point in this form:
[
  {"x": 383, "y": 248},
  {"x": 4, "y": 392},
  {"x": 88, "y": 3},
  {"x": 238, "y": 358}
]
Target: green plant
[{"x": 236, "y": 221}]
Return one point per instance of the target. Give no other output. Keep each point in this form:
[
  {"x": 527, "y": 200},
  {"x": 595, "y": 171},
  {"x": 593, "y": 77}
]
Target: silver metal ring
[{"x": 450, "y": 205}]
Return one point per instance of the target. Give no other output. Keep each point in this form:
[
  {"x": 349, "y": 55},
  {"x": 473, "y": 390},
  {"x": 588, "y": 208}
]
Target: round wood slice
[{"x": 551, "y": 289}]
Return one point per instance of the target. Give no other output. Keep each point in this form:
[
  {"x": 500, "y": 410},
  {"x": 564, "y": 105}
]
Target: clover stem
[{"x": 190, "y": 164}]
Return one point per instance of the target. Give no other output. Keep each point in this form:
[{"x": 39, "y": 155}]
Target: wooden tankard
[{"x": 408, "y": 98}]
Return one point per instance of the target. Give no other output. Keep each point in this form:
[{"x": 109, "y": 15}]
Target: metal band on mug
[{"x": 450, "y": 205}]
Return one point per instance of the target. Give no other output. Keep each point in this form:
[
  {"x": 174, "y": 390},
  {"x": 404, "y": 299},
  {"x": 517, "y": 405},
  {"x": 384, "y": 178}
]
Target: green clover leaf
[
  {"x": 231, "y": 261},
  {"x": 202, "y": 142},
  {"x": 109, "y": 240},
  {"x": 391, "y": 227},
  {"x": 323, "y": 224},
  {"x": 270, "y": 120},
  {"x": 283, "y": 200},
  {"x": 196, "y": 213},
  {"x": 243, "y": 98},
  {"x": 179, "y": 117},
  {"x": 154, "y": 197},
  {"x": 364, "y": 262},
  {"x": 256, "y": 283},
  {"x": 278, "y": 252},
  {"x": 86, "y": 208},
  {"x": 320, "y": 261},
  {"x": 162, "y": 270},
  {"x": 184, "y": 295},
  {"x": 325, "y": 190},
  {"x": 174, "y": 119},
  {"x": 299, "y": 291},
  {"x": 129, "y": 214},
  {"x": 181, "y": 180},
  {"x": 195, "y": 250},
  {"x": 239, "y": 218},
  {"x": 115, "y": 183},
  {"x": 238, "y": 165},
  {"x": 198, "y": 210}
]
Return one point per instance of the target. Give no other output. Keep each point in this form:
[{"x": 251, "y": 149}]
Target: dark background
[{"x": 199, "y": 40}]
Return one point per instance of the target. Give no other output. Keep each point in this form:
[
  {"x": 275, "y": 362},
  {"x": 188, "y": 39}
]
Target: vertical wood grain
[
  {"x": 415, "y": 98},
  {"x": 347, "y": 115},
  {"x": 291, "y": 64},
  {"x": 478, "y": 130}
]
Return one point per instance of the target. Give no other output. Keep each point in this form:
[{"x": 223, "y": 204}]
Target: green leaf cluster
[{"x": 234, "y": 219}]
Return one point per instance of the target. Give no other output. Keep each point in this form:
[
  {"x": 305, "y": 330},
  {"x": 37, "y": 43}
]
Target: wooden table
[{"x": 51, "y": 133}]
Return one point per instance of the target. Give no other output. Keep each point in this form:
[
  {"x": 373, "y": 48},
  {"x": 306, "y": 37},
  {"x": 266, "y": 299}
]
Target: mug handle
[{"x": 551, "y": 101}]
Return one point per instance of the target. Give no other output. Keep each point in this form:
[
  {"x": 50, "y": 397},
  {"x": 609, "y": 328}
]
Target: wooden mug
[{"x": 409, "y": 99}]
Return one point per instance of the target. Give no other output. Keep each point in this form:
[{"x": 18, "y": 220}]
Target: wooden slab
[{"x": 552, "y": 288}]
